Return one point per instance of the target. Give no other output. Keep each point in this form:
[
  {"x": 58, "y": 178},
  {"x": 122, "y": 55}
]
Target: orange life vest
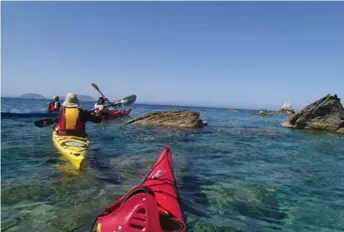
[{"x": 70, "y": 122}]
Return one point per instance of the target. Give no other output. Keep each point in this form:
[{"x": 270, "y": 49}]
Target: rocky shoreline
[{"x": 326, "y": 114}]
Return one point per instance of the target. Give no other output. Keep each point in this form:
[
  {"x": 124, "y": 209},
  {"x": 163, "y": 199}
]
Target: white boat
[{"x": 287, "y": 106}]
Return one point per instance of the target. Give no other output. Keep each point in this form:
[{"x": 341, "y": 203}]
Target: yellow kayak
[{"x": 72, "y": 148}]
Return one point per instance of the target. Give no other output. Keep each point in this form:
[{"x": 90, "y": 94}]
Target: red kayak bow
[{"x": 152, "y": 206}]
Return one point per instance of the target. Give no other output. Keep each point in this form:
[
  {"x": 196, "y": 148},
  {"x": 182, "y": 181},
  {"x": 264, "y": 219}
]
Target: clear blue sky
[{"x": 231, "y": 54}]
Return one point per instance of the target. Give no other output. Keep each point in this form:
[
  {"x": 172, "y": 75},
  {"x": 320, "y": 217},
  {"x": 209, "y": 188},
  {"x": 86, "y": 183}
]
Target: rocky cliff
[{"x": 325, "y": 114}]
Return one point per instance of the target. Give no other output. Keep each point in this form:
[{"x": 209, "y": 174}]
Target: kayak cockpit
[
  {"x": 169, "y": 223},
  {"x": 152, "y": 206},
  {"x": 138, "y": 211}
]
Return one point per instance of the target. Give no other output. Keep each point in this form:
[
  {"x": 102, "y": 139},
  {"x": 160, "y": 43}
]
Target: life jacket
[
  {"x": 70, "y": 122},
  {"x": 51, "y": 107},
  {"x": 98, "y": 111}
]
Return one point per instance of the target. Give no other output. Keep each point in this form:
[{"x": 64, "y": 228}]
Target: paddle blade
[
  {"x": 95, "y": 86},
  {"x": 126, "y": 101},
  {"x": 45, "y": 122}
]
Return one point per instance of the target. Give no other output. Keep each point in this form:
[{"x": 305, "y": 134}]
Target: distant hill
[
  {"x": 32, "y": 96},
  {"x": 37, "y": 96},
  {"x": 81, "y": 98},
  {"x": 86, "y": 98}
]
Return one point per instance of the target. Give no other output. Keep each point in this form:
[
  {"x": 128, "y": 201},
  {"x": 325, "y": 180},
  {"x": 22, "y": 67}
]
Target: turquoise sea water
[{"x": 241, "y": 173}]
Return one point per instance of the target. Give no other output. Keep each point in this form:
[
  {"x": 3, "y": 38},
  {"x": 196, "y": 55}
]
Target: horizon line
[{"x": 157, "y": 104}]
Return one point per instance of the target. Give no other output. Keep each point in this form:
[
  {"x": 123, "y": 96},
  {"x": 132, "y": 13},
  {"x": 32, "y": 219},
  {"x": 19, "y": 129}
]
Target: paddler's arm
[
  {"x": 57, "y": 106},
  {"x": 87, "y": 116}
]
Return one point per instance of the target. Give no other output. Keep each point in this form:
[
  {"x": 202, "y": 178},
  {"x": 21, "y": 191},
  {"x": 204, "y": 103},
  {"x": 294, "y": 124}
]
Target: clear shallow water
[{"x": 241, "y": 173}]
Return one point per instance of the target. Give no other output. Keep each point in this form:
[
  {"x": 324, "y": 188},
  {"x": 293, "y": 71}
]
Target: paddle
[
  {"x": 45, "y": 122},
  {"x": 97, "y": 88},
  {"x": 126, "y": 101}
]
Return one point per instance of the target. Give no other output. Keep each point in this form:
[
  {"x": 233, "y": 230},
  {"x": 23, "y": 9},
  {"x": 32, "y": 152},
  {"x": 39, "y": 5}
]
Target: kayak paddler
[
  {"x": 55, "y": 105},
  {"x": 100, "y": 108},
  {"x": 72, "y": 119}
]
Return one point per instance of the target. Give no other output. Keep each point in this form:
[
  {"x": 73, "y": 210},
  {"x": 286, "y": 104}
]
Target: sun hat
[{"x": 71, "y": 100}]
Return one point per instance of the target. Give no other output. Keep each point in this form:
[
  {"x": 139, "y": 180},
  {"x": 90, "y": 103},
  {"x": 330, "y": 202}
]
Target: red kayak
[
  {"x": 152, "y": 206},
  {"x": 116, "y": 114}
]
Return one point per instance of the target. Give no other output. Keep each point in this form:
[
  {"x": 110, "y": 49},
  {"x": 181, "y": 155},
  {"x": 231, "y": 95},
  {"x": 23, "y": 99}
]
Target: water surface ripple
[{"x": 241, "y": 173}]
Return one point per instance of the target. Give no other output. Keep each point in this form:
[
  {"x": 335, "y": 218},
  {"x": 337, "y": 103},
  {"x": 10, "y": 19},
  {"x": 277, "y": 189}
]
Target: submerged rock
[
  {"x": 325, "y": 114},
  {"x": 177, "y": 119}
]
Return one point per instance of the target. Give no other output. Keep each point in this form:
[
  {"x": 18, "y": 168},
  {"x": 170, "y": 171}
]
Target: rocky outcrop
[
  {"x": 176, "y": 119},
  {"x": 325, "y": 114},
  {"x": 287, "y": 112}
]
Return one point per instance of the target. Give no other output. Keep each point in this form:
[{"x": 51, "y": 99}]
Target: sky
[{"x": 222, "y": 54}]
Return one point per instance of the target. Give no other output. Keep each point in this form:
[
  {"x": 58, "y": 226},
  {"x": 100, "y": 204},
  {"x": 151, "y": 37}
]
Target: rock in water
[
  {"x": 177, "y": 119},
  {"x": 325, "y": 114}
]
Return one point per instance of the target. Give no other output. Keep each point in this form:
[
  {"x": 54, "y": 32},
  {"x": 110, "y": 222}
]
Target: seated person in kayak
[
  {"x": 100, "y": 108},
  {"x": 54, "y": 106},
  {"x": 72, "y": 119}
]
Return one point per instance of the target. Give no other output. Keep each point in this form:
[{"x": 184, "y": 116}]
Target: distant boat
[{"x": 287, "y": 106}]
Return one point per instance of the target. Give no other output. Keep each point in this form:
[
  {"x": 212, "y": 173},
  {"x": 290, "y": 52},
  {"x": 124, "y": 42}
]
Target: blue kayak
[{"x": 28, "y": 115}]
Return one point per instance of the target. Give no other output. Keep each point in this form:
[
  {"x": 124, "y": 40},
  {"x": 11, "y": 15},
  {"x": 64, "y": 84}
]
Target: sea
[{"x": 242, "y": 172}]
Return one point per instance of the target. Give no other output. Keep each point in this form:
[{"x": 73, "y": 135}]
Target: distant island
[
  {"x": 86, "y": 98},
  {"x": 82, "y": 98},
  {"x": 32, "y": 96},
  {"x": 37, "y": 96}
]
